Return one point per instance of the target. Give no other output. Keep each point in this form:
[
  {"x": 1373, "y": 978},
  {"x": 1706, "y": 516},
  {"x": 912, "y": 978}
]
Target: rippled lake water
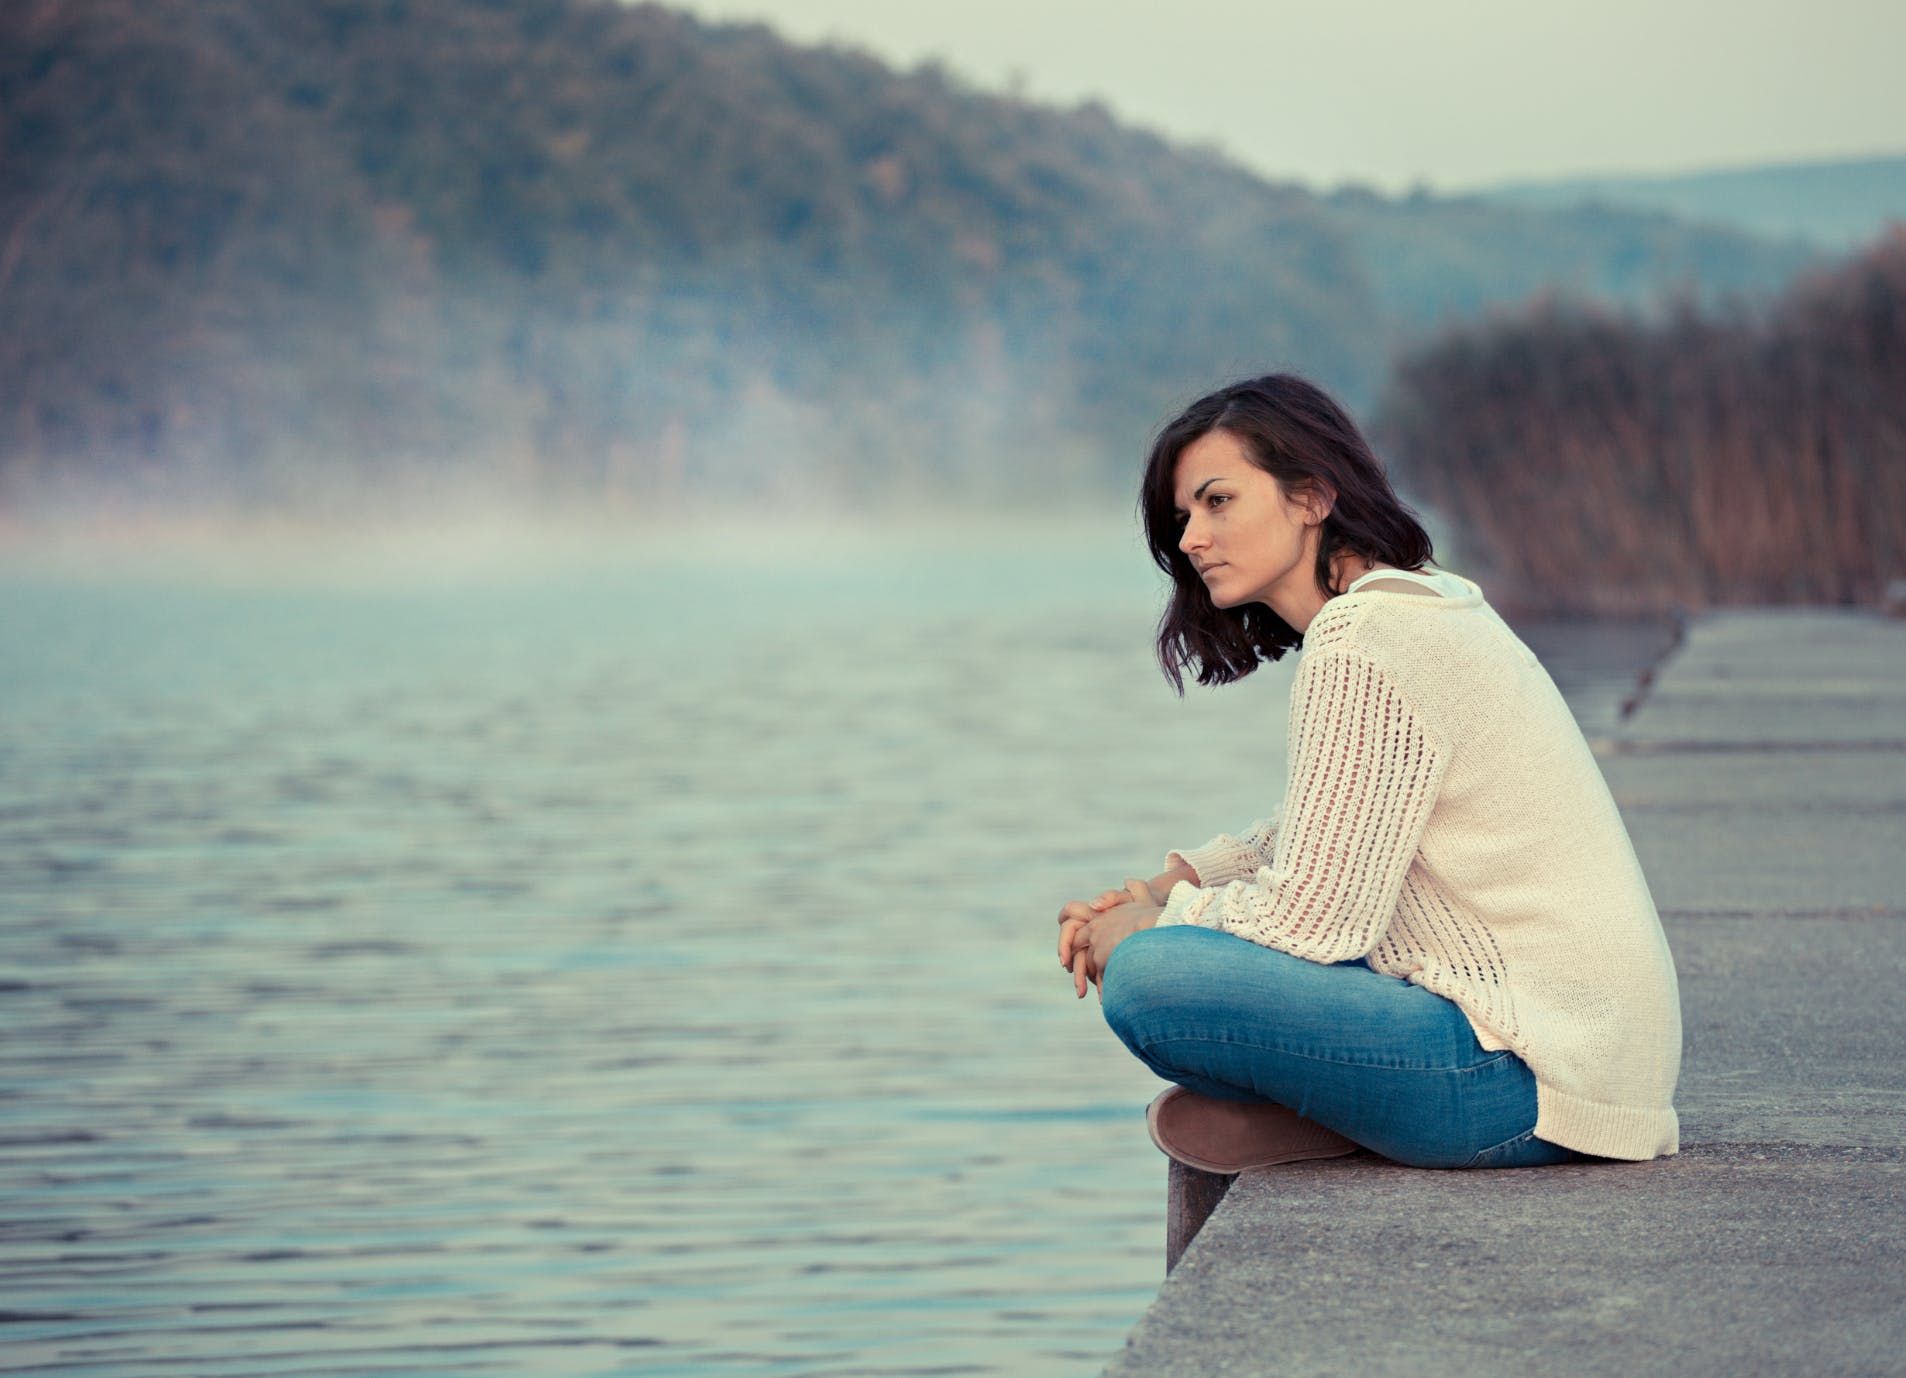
[{"x": 639, "y": 964}]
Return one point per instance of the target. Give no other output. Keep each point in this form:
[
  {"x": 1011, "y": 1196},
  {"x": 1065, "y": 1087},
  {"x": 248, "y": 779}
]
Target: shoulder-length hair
[{"x": 1296, "y": 433}]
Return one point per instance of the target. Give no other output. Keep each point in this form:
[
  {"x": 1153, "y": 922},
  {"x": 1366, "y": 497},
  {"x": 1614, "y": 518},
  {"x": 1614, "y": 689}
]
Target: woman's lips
[{"x": 1208, "y": 568}]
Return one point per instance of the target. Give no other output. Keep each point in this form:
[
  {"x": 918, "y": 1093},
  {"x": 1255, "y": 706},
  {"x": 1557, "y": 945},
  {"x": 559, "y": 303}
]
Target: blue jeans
[{"x": 1386, "y": 1063}]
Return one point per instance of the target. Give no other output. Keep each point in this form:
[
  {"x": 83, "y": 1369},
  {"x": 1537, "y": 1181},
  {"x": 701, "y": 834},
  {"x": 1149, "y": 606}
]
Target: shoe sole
[{"x": 1288, "y": 1136}]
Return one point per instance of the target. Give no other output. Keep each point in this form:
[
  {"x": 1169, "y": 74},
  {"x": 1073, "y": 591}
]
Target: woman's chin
[{"x": 1228, "y": 598}]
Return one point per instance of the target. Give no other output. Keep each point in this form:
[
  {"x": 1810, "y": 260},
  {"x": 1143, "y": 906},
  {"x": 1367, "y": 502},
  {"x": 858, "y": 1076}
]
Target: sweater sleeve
[
  {"x": 1364, "y": 778},
  {"x": 1225, "y": 857}
]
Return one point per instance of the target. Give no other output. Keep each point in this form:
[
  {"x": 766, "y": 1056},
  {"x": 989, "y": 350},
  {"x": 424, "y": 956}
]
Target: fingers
[
  {"x": 1078, "y": 973},
  {"x": 1110, "y": 898},
  {"x": 1074, "y": 912},
  {"x": 1139, "y": 891},
  {"x": 1072, "y": 939},
  {"x": 1066, "y": 935}
]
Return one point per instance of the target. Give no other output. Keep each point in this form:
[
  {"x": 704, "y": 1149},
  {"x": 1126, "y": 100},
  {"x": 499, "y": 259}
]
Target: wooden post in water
[{"x": 1191, "y": 1198}]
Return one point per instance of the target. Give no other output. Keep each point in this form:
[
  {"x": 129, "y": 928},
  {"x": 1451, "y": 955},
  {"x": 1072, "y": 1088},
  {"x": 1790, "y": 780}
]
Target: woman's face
[{"x": 1252, "y": 544}]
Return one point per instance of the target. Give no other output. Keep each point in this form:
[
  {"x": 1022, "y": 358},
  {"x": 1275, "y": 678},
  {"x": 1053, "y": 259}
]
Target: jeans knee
[{"x": 1128, "y": 987}]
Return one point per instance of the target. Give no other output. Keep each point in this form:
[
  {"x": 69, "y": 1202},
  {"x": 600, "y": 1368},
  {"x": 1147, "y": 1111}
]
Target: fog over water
[{"x": 502, "y": 948}]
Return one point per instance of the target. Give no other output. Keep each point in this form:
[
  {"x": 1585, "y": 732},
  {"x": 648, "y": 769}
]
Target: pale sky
[{"x": 1455, "y": 94}]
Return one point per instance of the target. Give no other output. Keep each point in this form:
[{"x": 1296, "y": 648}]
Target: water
[{"x": 607, "y": 965}]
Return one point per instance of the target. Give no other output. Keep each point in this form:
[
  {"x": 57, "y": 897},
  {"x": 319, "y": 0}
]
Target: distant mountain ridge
[
  {"x": 612, "y": 253},
  {"x": 1835, "y": 204}
]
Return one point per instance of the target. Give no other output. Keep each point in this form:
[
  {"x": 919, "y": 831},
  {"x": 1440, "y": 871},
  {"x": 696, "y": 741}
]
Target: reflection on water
[{"x": 640, "y": 968}]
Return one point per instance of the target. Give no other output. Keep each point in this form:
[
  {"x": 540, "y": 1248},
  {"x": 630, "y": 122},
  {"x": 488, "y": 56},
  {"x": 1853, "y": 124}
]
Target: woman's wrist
[{"x": 1162, "y": 884}]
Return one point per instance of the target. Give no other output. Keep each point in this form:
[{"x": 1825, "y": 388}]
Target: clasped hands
[{"x": 1090, "y": 929}]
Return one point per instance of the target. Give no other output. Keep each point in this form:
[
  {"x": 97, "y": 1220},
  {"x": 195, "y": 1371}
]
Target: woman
[{"x": 1441, "y": 948}]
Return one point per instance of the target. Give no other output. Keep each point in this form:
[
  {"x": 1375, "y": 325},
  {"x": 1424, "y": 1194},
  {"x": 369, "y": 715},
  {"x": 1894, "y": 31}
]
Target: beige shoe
[{"x": 1228, "y": 1136}]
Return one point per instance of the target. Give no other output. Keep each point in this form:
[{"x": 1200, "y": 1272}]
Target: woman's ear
[{"x": 1318, "y": 500}]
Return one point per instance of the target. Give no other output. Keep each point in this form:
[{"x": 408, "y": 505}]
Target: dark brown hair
[{"x": 1296, "y": 433}]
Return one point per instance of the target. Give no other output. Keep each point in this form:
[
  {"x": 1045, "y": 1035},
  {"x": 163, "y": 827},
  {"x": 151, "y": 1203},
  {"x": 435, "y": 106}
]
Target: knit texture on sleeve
[
  {"x": 1225, "y": 858},
  {"x": 1365, "y": 770}
]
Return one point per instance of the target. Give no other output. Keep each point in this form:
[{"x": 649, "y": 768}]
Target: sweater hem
[
  {"x": 1636, "y": 1133},
  {"x": 1486, "y": 1038}
]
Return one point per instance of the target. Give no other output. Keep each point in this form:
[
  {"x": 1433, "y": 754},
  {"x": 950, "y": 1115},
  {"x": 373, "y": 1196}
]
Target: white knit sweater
[{"x": 1445, "y": 820}]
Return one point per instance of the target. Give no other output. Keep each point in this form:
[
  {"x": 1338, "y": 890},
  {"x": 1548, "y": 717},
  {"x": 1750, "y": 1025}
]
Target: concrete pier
[{"x": 1762, "y": 774}]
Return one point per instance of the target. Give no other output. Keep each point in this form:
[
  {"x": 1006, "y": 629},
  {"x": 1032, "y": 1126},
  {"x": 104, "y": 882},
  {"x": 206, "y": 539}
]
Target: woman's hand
[
  {"x": 1094, "y": 945},
  {"x": 1078, "y": 913},
  {"x": 1142, "y": 891},
  {"x": 1086, "y": 939},
  {"x": 1075, "y": 914}
]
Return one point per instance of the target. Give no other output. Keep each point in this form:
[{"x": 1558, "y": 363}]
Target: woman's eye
[{"x": 1217, "y": 498}]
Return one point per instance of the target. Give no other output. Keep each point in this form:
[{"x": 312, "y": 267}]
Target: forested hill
[
  {"x": 583, "y": 251},
  {"x": 1838, "y": 204}
]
